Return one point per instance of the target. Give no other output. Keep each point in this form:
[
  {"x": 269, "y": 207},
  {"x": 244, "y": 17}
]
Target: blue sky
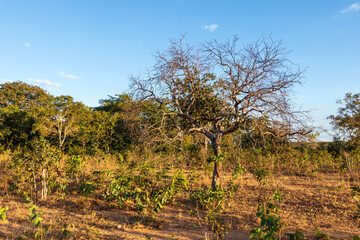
[{"x": 87, "y": 49}]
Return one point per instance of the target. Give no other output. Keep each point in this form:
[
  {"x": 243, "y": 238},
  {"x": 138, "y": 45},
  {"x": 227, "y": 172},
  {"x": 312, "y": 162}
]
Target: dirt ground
[{"x": 322, "y": 201}]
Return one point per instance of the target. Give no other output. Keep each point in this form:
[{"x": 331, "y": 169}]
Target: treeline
[{"x": 28, "y": 114}]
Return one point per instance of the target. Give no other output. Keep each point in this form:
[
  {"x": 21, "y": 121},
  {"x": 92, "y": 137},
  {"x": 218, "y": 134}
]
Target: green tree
[
  {"x": 96, "y": 130},
  {"x": 347, "y": 122},
  {"x": 131, "y": 121},
  {"x": 21, "y": 107},
  {"x": 215, "y": 88},
  {"x": 62, "y": 119},
  {"x": 22, "y": 96}
]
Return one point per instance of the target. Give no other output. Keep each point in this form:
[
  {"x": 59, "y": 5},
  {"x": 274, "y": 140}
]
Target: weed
[
  {"x": 65, "y": 230},
  {"x": 270, "y": 225},
  {"x": 213, "y": 201},
  {"x": 355, "y": 190},
  {"x": 298, "y": 235},
  {"x": 321, "y": 235},
  {"x": 3, "y": 213},
  {"x": 75, "y": 166},
  {"x": 86, "y": 188},
  {"x": 143, "y": 191},
  {"x": 147, "y": 237},
  {"x": 261, "y": 173},
  {"x": 239, "y": 170},
  {"x": 172, "y": 237},
  {"x": 37, "y": 220}
]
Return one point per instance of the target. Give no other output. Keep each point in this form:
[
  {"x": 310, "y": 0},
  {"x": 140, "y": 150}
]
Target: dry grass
[
  {"x": 312, "y": 200},
  {"x": 316, "y": 200}
]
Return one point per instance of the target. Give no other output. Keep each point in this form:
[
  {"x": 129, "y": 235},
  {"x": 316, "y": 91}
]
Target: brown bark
[
  {"x": 216, "y": 179},
  {"x": 44, "y": 187}
]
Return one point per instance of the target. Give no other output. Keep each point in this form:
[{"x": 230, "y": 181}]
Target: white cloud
[
  {"x": 211, "y": 27},
  {"x": 27, "y": 44},
  {"x": 44, "y": 82},
  {"x": 70, "y": 76},
  {"x": 2, "y": 80},
  {"x": 352, "y": 8}
]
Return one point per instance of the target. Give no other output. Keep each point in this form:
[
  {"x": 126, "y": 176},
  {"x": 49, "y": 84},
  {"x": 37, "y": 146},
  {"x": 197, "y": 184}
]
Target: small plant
[
  {"x": 213, "y": 201},
  {"x": 3, "y": 213},
  {"x": 74, "y": 166},
  {"x": 357, "y": 211},
  {"x": 86, "y": 188},
  {"x": 172, "y": 237},
  {"x": 65, "y": 230},
  {"x": 239, "y": 170},
  {"x": 298, "y": 235},
  {"x": 321, "y": 235},
  {"x": 270, "y": 225},
  {"x": 143, "y": 191},
  {"x": 261, "y": 173},
  {"x": 37, "y": 220},
  {"x": 355, "y": 191}
]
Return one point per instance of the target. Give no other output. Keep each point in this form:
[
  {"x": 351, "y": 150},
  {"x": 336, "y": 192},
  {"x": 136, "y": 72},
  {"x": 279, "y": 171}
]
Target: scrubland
[{"x": 296, "y": 193}]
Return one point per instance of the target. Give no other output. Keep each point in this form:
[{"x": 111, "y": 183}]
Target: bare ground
[{"x": 321, "y": 200}]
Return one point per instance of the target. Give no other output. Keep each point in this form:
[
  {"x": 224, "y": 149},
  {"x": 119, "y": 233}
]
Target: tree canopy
[
  {"x": 20, "y": 107},
  {"x": 217, "y": 88},
  {"x": 347, "y": 122}
]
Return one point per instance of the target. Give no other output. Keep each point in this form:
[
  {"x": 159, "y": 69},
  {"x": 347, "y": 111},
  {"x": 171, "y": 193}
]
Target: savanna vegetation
[{"x": 207, "y": 145}]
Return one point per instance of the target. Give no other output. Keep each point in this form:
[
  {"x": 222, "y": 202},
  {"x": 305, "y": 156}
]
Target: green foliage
[
  {"x": 347, "y": 122},
  {"x": 146, "y": 188},
  {"x": 31, "y": 170},
  {"x": 21, "y": 107},
  {"x": 166, "y": 193},
  {"x": 213, "y": 201},
  {"x": 66, "y": 230},
  {"x": 3, "y": 213},
  {"x": 86, "y": 188},
  {"x": 320, "y": 235},
  {"x": 270, "y": 225},
  {"x": 74, "y": 166},
  {"x": 350, "y": 161},
  {"x": 62, "y": 120},
  {"x": 17, "y": 128},
  {"x": 298, "y": 235},
  {"x": 218, "y": 159},
  {"x": 239, "y": 170},
  {"x": 147, "y": 237},
  {"x": 129, "y": 123},
  {"x": 37, "y": 220},
  {"x": 356, "y": 192},
  {"x": 208, "y": 198},
  {"x": 260, "y": 173}
]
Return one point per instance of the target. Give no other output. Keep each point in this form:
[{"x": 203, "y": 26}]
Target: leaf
[
  {"x": 33, "y": 216},
  {"x": 37, "y": 221}
]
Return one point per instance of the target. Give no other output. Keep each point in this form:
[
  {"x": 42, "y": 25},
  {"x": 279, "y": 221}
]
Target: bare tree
[
  {"x": 62, "y": 118},
  {"x": 217, "y": 88}
]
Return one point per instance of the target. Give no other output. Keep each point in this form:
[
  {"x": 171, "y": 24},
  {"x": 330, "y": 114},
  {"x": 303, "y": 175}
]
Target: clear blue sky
[{"x": 87, "y": 49}]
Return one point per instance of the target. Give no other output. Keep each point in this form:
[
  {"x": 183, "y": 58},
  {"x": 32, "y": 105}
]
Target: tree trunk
[
  {"x": 35, "y": 186},
  {"x": 216, "y": 180},
  {"x": 44, "y": 188}
]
